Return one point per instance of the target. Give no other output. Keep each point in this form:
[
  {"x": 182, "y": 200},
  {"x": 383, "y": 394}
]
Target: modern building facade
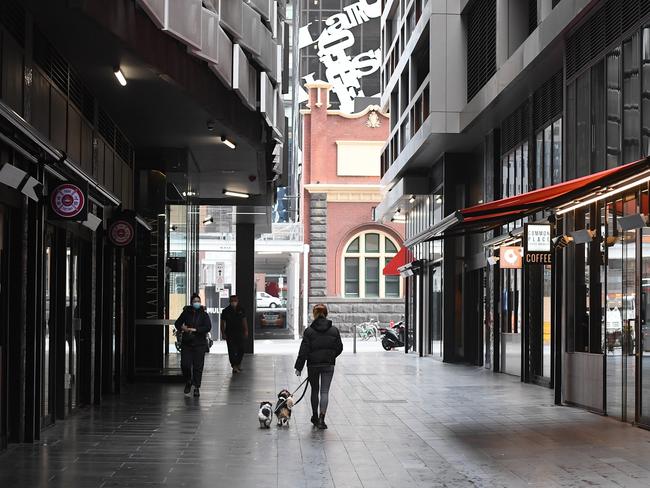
[
  {"x": 347, "y": 250},
  {"x": 112, "y": 115},
  {"x": 542, "y": 97}
]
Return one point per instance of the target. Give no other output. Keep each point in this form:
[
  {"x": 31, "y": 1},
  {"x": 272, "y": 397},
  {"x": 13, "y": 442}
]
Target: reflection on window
[{"x": 548, "y": 162}]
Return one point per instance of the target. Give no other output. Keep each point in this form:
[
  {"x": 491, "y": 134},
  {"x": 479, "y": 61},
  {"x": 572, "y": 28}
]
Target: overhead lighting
[
  {"x": 412, "y": 199},
  {"x": 235, "y": 194},
  {"x": 269, "y": 252},
  {"x": 438, "y": 199},
  {"x": 603, "y": 196},
  {"x": 120, "y": 76},
  {"x": 208, "y": 220},
  {"x": 228, "y": 142},
  {"x": 189, "y": 194}
]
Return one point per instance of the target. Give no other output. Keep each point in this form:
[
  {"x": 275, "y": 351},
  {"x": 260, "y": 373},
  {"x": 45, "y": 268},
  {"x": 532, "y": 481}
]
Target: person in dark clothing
[
  {"x": 194, "y": 323},
  {"x": 234, "y": 329},
  {"x": 321, "y": 345}
]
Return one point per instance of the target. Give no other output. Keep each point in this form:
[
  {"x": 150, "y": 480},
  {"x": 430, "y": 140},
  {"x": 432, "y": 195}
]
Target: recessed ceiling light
[
  {"x": 236, "y": 194},
  {"x": 120, "y": 76},
  {"x": 412, "y": 199}
]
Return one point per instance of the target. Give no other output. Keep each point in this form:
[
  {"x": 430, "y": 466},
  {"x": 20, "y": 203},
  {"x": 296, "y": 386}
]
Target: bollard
[{"x": 354, "y": 340}]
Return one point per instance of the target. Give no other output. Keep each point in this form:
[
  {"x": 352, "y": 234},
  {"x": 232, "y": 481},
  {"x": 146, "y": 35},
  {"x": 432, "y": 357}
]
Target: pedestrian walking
[
  {"x": 321, "y": 345},
  {"x": 194, "y": 325},
  {"x": 234, "y": 329}
]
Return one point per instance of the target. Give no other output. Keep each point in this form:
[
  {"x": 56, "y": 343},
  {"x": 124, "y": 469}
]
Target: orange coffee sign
[{"x": 510, "y": 257}]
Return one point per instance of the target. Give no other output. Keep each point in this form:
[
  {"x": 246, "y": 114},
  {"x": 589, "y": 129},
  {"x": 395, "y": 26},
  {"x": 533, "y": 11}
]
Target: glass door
[
  {"x": 72, "y": 325},
  {"x": 620, "y": 315},
  {"x": 47, "y": 362},
  {"x": 435, "y": 311},
  {"x": 644, "y": 316}
]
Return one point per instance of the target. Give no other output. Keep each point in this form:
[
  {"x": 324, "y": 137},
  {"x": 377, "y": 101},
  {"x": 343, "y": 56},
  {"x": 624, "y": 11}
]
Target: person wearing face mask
[
  {"x": 234, "y": 329},
  {"x": 194, "y": 323}
]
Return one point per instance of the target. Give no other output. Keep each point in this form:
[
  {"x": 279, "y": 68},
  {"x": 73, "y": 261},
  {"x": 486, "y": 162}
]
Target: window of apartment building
[
  {"x": 548, "y": 155},
  {"x": 364, "y": 259}
]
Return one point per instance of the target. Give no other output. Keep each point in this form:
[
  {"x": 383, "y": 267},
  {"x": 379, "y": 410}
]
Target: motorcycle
[{"x": 393, "y": 336}]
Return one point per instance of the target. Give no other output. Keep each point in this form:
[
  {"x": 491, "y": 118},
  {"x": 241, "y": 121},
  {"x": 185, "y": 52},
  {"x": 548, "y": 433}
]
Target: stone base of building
[{"x": 345, "y": 313}]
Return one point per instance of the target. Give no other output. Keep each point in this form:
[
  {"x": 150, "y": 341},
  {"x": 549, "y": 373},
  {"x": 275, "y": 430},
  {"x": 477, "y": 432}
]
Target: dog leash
[{"x": 281, "y": 404}]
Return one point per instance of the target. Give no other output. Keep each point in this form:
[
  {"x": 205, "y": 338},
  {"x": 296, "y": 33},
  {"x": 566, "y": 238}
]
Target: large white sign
[
  {"x": 334, "y": 43},
  {"x": 538, "y": 238}
]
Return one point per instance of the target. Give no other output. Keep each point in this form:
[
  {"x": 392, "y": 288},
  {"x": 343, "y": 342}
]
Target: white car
[{"x": 264, "y": 300}]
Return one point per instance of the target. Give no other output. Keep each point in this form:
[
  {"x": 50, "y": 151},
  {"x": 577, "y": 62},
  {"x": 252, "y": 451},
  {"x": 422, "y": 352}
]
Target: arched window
[{"x": 364, "y": 259}]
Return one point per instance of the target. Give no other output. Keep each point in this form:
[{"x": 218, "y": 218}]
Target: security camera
[{"x": 211, "y": 125}]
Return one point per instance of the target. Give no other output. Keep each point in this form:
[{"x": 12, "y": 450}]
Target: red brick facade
[{"x": 335, "y": 206}]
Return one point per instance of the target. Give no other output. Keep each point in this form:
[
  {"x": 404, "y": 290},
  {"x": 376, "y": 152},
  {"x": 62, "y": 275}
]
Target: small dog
[
  {"x": 265, "y": 415},
  {"x": 283, "y": 407}
]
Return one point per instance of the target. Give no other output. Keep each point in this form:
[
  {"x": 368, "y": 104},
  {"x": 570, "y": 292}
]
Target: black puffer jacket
[
  {"x": 195, "y": 319},
  {"x": 321, "y": 344}
]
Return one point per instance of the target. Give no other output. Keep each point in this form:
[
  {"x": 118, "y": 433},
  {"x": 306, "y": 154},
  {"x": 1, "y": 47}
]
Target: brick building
[{"x": 340, "y": 187}]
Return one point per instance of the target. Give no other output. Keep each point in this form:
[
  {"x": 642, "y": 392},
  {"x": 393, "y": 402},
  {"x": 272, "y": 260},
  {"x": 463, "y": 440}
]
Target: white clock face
[{"x": 68, "y": 200}]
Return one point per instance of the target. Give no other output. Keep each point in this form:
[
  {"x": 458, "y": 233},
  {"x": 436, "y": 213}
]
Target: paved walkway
[{"x": 395, "y": 420}]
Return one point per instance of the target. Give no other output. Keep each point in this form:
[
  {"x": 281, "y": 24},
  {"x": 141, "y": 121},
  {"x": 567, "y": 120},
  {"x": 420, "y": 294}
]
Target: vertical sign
[
  {"x": 220, "y": 279},
  {"x": 537, "y": 244}
]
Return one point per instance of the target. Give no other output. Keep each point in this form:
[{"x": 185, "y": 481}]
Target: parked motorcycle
[{"x": 393, "y": 336}]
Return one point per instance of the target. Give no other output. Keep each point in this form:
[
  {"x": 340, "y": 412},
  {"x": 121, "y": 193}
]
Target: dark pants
[
  {"x": 192, "y": 360},
  {"x": 320, "y": 378},
  {"x": 235, "y": 351}
]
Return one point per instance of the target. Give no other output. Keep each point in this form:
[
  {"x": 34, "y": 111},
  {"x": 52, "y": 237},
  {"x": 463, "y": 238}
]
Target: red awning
[
  {"x": 400, "y": 259},
  {"x": 488, "y": 216}
]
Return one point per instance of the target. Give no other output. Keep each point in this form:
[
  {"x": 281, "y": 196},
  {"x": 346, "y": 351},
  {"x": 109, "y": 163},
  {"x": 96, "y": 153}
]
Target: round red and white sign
[
  {"x": 121, "y": 233},
  {"x": 68, "y": 200}
]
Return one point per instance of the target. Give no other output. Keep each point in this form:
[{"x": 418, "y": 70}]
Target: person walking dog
[
  {"x": 321, "y": 345},
  {"x": 194, "y": 324}
]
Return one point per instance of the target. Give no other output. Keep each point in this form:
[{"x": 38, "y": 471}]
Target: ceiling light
[
  {"x": 438, "y": 200},
  {"x": 269, "y": 252},
  {"x": 189, "y": 194},
  {"x": 236, "y": 194},
  {"x": 228, "y": 142},
  {"x": 633, "y": 184},
  {"x": 208, "y": 220},
  {"x": 412, "y": 199},
  {"x": 120, "y": 76}
]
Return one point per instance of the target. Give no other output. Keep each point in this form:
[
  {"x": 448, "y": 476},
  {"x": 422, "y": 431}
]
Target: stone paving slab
[{"x": 395, "y": 421}]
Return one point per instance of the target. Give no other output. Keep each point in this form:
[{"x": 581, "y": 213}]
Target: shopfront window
[
  {"x": 613, "y": 63},
  {"x": 363, "y": 261}
]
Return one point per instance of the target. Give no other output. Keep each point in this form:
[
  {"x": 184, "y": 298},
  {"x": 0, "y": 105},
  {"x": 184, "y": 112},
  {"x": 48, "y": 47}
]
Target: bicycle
[{"x": 368, "y": 329}]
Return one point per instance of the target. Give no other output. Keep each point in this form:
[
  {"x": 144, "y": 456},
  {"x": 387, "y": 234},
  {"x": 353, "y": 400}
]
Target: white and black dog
[
  {"x": 283, "y": 407},
  {"x": 265, "y": 415}
]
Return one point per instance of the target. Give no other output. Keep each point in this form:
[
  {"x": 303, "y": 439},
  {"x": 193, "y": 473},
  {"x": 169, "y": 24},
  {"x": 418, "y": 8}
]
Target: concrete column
[{"x": 245, "y": 275}]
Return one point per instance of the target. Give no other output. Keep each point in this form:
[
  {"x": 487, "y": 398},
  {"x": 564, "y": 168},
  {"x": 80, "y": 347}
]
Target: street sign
[{"x": 220, "y": 278}]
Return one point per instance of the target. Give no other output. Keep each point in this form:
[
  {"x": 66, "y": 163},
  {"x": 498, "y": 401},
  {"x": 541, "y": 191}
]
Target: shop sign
[
  {"x": 121, "y": 232},
  {"x": 68, "y": 201},
  {"x": 537, "y": 244},
  {"x": 510, "y": 257}
]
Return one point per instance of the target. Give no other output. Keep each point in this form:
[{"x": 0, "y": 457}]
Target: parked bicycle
[{"x": 369, "y": 329}]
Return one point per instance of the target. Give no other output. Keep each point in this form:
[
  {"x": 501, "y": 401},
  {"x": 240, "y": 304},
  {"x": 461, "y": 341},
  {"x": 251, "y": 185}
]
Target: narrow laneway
[{"x": 395, "y": 420}]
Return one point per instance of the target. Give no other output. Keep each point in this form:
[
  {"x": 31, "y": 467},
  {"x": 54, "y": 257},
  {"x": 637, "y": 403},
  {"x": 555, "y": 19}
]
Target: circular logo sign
[
  {"x": 121, "y": 233},
  {"x": 68, "y": 200}
]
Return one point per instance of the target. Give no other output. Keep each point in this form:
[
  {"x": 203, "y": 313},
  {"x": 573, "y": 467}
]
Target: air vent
[
  {"x": 532, "y": 15},
  {"x": 106, "y": 127},
  {"x": 81, "y": 97},
  {"x": 481, "y": 45},
  {"x": 123, "y": 148},
  {"x": 601, "y": 30},
  {"x": 514, "y": 128},
  {"x": 12, "y": 17},
  {"x": 51, "y": 62},
  {"x": 547, "y": 101}
]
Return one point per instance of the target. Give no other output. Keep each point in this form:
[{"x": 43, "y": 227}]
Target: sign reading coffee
[{"x": 537, "y": 244}]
